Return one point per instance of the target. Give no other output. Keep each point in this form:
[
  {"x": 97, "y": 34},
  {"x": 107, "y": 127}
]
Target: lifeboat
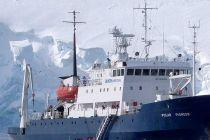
[{"x": 67, "y": 93}]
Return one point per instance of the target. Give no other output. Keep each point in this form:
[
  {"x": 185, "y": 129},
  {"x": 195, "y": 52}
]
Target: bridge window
[
  {"x": 168, "y": 71},
  {"x": 122, "y": 72},
  {"x": 118, "y": 72},
  {"x": 154, "y": 72},
  {"x": 124, "y": 64},
  {"x": 137, "y": 71},
  {"x": 130, "y": 71},
  {"x": 145, "y": 72},
  {"x": 114, "y": 73},
  {"x": 162, "y": 72}
]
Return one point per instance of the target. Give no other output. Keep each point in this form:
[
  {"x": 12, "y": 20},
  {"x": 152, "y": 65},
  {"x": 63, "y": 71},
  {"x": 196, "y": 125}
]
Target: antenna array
[
  {"x": 194, "y": 28},
  {"x": 145, "y": 39}
]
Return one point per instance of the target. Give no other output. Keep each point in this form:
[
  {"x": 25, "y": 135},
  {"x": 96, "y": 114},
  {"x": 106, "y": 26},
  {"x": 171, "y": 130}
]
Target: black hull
[{"x": 178, "y": 119}]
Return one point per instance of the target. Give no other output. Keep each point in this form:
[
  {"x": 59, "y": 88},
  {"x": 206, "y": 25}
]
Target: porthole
[{"x": 131, "y": 87}]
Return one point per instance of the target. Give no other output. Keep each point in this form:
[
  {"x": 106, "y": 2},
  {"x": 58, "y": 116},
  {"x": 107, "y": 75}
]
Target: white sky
[{"x": 45, "y": 17}]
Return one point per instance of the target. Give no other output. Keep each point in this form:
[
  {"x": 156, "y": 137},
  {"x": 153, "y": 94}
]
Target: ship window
[
  {"x": 107, "y": 89},
  {"x": 100, "y": 89},
  {"x": 130, "y": 71},
  {"x": 118, "y": 72},
  {"x": 124, "y": 64},
  {"x": 122, "y": 72},
  {"x": 87, "y": 91},
  {"x": 176, "y": 72},
  {"x": 131, "y": 88},
  {"x": 120, "y": 88},
  {"x": 114, "y": 73},
  {"x": 162, "y": 72},
  {"x": 137, "y": 71},
  {"x": 140, "y": 87},
  {"x": 104, "y": 90},
  {"x": 91, "y": 90},
  {"x": 114, "y": 88},
  {"x": 145, "y": 71},
  {"x": 154, "y": 72},
  {"x": 168, "y": 71}
]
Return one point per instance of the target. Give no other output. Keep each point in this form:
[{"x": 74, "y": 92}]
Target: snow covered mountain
[{"x": 48, "y": 48}]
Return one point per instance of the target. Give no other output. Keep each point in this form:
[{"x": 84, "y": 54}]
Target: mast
[
  {"x": 74, "y": 22},
  {"x": 194, "y": 27},
  {"x": 145, "y": 39}
]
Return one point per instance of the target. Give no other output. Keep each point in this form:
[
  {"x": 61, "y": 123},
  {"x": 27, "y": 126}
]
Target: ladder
[{"x": 104, "y": 126}]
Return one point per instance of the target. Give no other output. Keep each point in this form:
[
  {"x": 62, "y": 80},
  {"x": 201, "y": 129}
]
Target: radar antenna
[
  {"x": 122, "y": 41},
  {"x": 194, "y": 28},
  {"x": 145, "y": 39},
  {"x": 74, "y": 22}
]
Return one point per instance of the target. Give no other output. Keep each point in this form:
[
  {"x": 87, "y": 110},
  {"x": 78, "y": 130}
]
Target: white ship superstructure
[{"x": 122, "y": 85}]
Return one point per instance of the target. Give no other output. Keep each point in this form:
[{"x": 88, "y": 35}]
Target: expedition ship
[{"x": 124, "y": 99}]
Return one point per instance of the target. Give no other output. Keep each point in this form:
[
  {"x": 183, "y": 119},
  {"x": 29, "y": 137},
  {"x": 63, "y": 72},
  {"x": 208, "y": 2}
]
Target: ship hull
[{"x": 177, "y": 119}]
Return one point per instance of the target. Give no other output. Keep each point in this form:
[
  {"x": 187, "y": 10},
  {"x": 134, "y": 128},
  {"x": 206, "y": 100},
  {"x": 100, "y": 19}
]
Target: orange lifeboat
[{"x": 67, "y": 93}]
